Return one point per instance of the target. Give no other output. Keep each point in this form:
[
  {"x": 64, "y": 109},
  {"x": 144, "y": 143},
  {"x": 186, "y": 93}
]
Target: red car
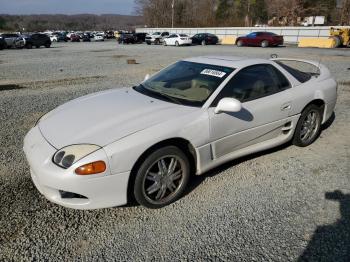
[
  {"x": 75, "y": 38},
  {"x": 263, "y": 39}
]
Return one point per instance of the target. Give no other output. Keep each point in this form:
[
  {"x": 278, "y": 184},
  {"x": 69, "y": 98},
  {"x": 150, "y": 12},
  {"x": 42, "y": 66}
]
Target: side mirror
[
  {"x": 146, "y": 77},
  {"x": 228, "y": 105}
]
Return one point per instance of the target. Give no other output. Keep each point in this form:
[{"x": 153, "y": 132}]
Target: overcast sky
[{"x": 67, "y": 6}]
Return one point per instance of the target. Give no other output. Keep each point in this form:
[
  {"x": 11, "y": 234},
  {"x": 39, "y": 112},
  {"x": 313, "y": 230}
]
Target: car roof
[{"x": 228, "y": 61}]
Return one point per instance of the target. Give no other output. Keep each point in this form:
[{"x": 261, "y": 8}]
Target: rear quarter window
[{"x": 301, "y": 71}]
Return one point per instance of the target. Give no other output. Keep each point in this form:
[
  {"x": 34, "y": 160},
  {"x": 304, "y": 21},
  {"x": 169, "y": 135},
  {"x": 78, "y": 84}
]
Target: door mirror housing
[{"x": 228, "y": 105}]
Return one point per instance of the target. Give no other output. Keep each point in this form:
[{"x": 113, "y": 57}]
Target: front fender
[{"x": 124, "y": 153}]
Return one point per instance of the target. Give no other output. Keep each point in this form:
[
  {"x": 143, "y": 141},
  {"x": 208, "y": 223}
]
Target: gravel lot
[{"x": 272, "y": 206}]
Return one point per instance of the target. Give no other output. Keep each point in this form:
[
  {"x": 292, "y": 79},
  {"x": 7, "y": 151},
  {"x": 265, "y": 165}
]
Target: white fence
[{"x": 291, "y": 34}]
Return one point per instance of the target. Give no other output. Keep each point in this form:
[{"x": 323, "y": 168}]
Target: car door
[
  {"x": 171, "y": 40},
  {"x": 265, "y": 96},
  {"x": 250, "y": 39},
  {"x": 258, "y": 39},
  {"x": 195, "y": 39},
  {"x": 35, "y": 39}
]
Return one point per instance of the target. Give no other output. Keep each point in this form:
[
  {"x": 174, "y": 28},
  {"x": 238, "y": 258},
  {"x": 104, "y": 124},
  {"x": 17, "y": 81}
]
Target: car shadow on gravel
[
  {"x": 195, "y": 181},
  {"x": 331, "y": 242}
]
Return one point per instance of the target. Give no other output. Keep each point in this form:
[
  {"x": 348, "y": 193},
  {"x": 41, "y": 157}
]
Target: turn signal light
[{"x": 91, "y": 168}]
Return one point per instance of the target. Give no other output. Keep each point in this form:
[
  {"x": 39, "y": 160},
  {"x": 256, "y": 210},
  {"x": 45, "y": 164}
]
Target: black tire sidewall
[
  {"x": 141, "y": 173},
  {"x": 296, "y": 139}
]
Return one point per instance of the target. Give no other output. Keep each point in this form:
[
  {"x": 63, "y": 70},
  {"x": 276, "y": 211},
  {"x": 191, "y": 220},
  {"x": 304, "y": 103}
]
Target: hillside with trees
[
  {"x": 195, "y": 13},
  {"x": 31, "y": 23}
]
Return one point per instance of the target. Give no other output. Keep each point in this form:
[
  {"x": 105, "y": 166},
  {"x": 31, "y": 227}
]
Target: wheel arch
[
  {"x": 182, "y": 143},
  {"x": 318, "y": 102}
]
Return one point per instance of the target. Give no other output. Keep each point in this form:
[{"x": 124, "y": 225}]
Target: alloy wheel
[{"x": 163, "y": 179}]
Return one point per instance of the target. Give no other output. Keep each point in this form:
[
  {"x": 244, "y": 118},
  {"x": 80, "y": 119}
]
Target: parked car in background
[
  {"x": 140, "y": 37},
  {"x": 86, "y": 37},
  {"x": 126, "y": 39},
  {"x": 109, "y": 34},
  {"x": 53, "y": 37},
  {"x": 156, "y": 38},
  {"x": 75, "y": 38},
  {"x": 98, "y": 37},
  {"x": 10, "y": 39},
  {"x": 177, "y": 40},
  {"x": 263, "y": 39},
  {"x": 205, "y": 39},
  {"x": 61, "y": 37},
  {"x": 3, "y": 44},
  {"x": 36, "y": 40}
]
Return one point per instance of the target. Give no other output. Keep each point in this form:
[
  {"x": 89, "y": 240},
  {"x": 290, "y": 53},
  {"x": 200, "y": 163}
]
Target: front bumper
[{"x": 55, "y": 183}]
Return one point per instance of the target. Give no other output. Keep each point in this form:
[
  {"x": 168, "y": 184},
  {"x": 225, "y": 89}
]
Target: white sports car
[
  {"x": 177, "y": 40},
  {"x": 144, "y": 142}
]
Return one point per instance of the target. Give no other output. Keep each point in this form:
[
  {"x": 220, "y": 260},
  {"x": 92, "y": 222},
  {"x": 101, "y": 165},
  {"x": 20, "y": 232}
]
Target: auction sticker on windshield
[{"x": 211, "y": 72}]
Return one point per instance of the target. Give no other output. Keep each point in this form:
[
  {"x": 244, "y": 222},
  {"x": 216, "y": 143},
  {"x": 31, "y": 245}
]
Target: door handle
[{"x": 286, "y": 107}]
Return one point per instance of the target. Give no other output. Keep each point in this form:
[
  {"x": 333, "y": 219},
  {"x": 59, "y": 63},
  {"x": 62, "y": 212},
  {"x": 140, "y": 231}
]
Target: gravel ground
[{"x": 273, "y": 206}]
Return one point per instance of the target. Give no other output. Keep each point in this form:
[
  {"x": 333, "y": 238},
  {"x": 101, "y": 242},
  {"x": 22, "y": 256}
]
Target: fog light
[{"x": 91, "y": 168}]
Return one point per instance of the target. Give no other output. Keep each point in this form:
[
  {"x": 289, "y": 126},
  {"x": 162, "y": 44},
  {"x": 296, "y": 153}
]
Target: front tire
[
  {"x": 162, "y": 177},
  {"x": 309, "y": 126},
  {"x": 239, "y": 43},
  {"x": 203, "y": 42},
  {"x": 177, "y": 43}
]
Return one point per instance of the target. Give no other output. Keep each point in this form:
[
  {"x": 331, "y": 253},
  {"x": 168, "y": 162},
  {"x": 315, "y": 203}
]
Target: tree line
[
  {"x": 205, "y": 13},
  {"x": 82, "y": 22}
]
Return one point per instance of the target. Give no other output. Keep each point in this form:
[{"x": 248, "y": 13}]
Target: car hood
[{"x": 105, "y": 117}]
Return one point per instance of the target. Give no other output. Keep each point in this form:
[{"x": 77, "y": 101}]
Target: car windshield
[{"x": 186, "y": 83}]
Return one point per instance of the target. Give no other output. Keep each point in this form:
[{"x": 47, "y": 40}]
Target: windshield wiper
[
  {"x": 161, "y": 95},
  {"x": 169, "y": 97}
]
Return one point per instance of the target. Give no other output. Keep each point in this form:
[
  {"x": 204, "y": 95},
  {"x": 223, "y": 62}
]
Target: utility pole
[{"x": 172, "y": 14}]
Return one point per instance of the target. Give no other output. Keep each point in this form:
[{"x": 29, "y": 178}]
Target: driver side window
[{"x": 254, "y": 82}]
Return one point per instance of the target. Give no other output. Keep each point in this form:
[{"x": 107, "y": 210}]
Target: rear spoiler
[{"x": 322, "y": 69}]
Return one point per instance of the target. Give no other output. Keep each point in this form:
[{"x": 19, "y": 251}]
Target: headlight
[{"x": 69, "y": 155}]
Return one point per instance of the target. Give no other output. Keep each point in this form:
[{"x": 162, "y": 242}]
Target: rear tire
[
  {"x": 203, "y": 42},
  {"x": 48, "y": 45},
  {"x": 338, "y": 40},
  {"x": 29, "y": 46},
  {"x": 162, "y": 177},
  {"x": 177, "y": 43},
  {"x": 309, "y": 126},
  {"x": 264, "y": 44}
]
